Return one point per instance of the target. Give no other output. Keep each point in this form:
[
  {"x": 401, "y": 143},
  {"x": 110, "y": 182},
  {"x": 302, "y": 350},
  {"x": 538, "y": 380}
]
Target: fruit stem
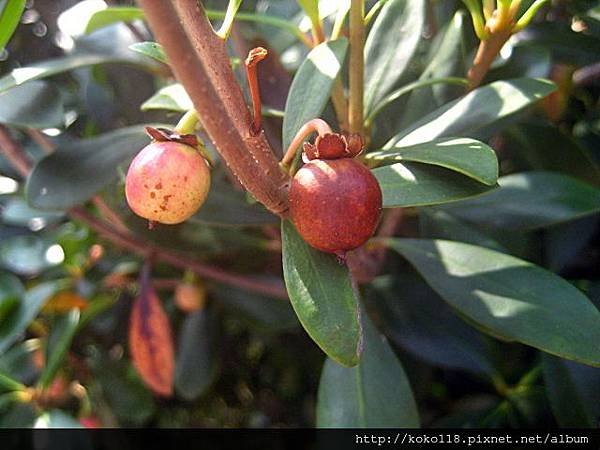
[
  {"x": 357, "y": 66},
  {"x": 318, "y": 126},
  {"x": 255, "y": 56},
  {"x": 187, "y": 123}
]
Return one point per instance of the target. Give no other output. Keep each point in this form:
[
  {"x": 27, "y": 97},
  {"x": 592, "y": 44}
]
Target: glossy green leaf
[
  {"x": 375, "y": 393},
  {"x": 512, "y": 298},
  {"x": 17, "y": 212},
  {"x": 469, "y": 157},
  {"x": 390, "y": 46},
  {"x": 171, "y": 98},
  {"x": 478, "y": 109},
  {"x": 56, "y": 419},
  {"x": 26, "y": 254},
  {"x": 312, "y": 85},
  {"x": 88, "y": 165},
  {"x": 18, "y": 362},
  {"x": 150, "y": 49},
  {"x": 322, "y": 296},
  {"x": 49, "y": 67},
  {"x": 531, "y": 200},
  {"x": 35, "y": 105},
  {"x": 196, "y": 365},
  {"x": 11, "y": 292},
  {"x": 112, "y": 15},
  {"x": 448, "y": 59},
  {"x": 414, "y": 184},
  {"x": 7, "y": 384},
  {"x": 9, "y": 19},
  {"x": 20, "y": 317},
  {"x": 311, "y": 8},
  {"x": 59, "y": 341},
  {"x": 419, "y": 321},
  {"x": 573, "y": 392}
]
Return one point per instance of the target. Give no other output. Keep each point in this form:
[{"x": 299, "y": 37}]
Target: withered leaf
[{"x": 151, "y": 340}]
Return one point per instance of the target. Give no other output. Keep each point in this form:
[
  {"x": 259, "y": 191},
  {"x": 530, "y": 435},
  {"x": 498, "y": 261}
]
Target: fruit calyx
[
  {"x": 166, "y": 135},
  {"x": 333, "y": 146}
]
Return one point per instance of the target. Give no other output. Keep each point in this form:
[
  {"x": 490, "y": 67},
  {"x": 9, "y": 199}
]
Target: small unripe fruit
[
  {"x": 167, "y": 182},
  {"x": 335, "y": 204},
  {"x": 190, "y": 297}
]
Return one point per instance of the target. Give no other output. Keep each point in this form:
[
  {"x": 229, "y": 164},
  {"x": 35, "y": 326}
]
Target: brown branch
[
  {"x": 143, "y": 248},
  {"x": 486, "y": 54},
  {"x": 200, "y": 62},
  {"x": 14, "y": 153}
]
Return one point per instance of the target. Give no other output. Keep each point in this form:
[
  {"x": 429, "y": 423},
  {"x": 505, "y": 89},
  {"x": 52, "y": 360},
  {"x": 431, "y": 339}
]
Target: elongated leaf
[
  {"x": 312, "y": 85},
  {"x": 447, "y": 60},
  {"x": 531, "y": 200},
  {"x": 112, "y": 15},
  {"x": 9, "y": 19},
  {"x": 375, "y": 393},
  {"x": 36, "y": 105},
  {"x": 311, "y": 8},
  {"x": 413, "y": 184},
  {"x": 197, "y": 364},
  {"x": 17, "y": 212},
  {"x": 322, "y": 297},
  {"x": 11, "y": 292},
  {"x": 47, "y": 68},
  {"x": 60, "y": 338},
  {"x": 172, "y": 98},
  {"x": 88, "y": 164},
  {"x": 26, "y": 255},
  {"x": 572, "y": 391},
  {"x": 7, "y": 384},
  {"x": 19, "y": 318},
  {"x": 419, "y": 321},
  {"x": 151, "y": 341},
  {"x": 390, "y": 46},
  {"x": 511, "y": 298},
  {"x": 151, "y": 49},
  {"x": 478, "y": 109},
  {"x": 466, "y": 156}
]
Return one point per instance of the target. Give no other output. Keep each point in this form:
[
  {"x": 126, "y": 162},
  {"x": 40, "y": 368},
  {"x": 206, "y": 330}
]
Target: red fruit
[
  {"x": 335, "y": 204},
  {"x": 167, "y": 182}
]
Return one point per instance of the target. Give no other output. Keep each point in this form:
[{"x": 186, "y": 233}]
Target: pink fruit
[{"x": 167, "y": 182}]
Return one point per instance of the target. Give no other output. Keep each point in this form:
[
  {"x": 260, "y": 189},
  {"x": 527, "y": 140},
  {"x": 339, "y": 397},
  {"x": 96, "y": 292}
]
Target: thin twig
[
  {"x": 144, "y": 248},
  {"x": 14, "y": 153},
  {"x": 357, "y": 66}
]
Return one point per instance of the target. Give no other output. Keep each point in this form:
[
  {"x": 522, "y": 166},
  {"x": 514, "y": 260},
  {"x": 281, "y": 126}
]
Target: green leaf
[
  {"x": 20, "y": 318},
  {"x": 49, "y": 67},
  {"x": 18, "y": 362},
  {"x": 508, "y": 297},
  {"x": 59, "y": 341},
  {"x": 448, "y": 59},
  {"x": 414, "y": 184},
  {"x": 419, "y": 321},
  {"x": 311, "y": 86},
  {"x": 196, "y": 365},
  {"x": 469, "y": 157},
  {"x": 9, "y": 19},
  {"x": 476, "y": 110},
  {"x": 172, "y": 98},
  {"x": 17, "y": 212},
  {"x": 390, "y": 46},
  {"x": 56, "y": 419},
  {"x": 113, "y": 15},
  {"x": 232, "y": 9},
  {"x": 531, "y": 200},
  {"x": 26, "y": 254},
  {"x": 150, "y": 49},
  {"x": 322, "y": 296},
  {"x": 89, "y": 165},
  {"x": 311, "y": 8},
  {"x": 36, "y": 104},
  {"x": 11, "y": 291},
  {"x": 7, "y": 384},
  {"x": 376, "y": 393},
  {"x": 573, "y": 392}
]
